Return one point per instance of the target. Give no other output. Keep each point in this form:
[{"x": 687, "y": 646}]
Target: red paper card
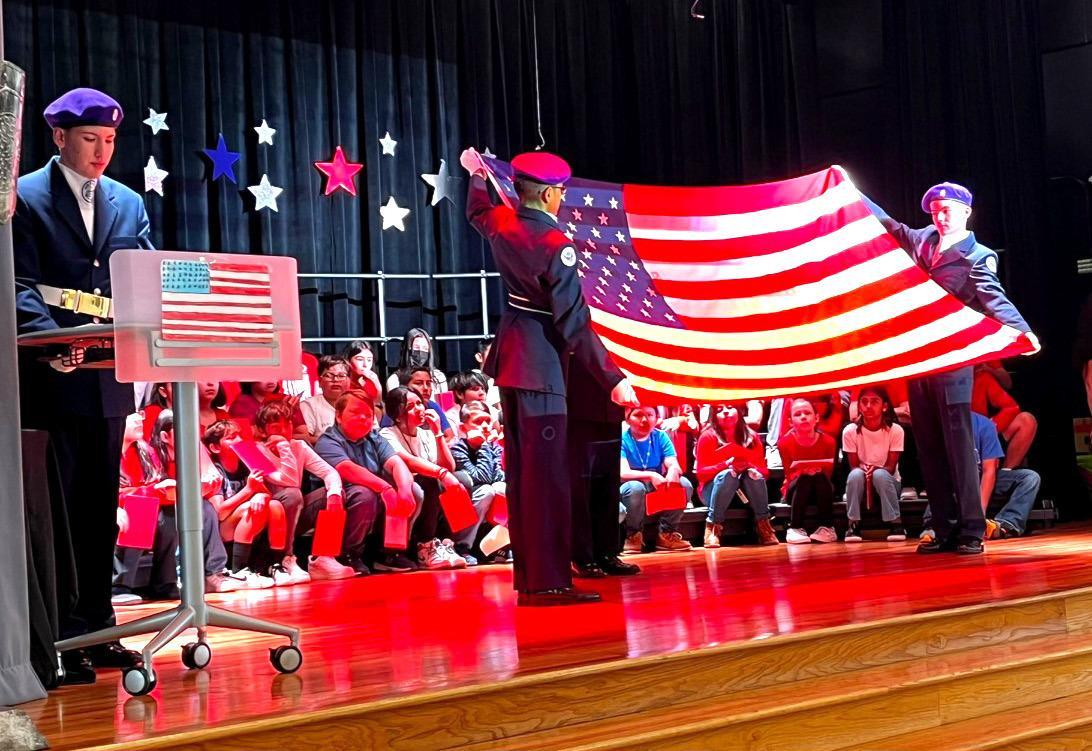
[
  {"x": 143, "y": 512},
  {"x": 254, "y": 457},
  {"x": 667, "y": 498},
  {"x": 395, "y": 532},
  {"x": 445, "y": 399},
  {"x": 458, "y": 509},
  {"x": 329, "y": 531},
  {"x": 498, "y": 512}
]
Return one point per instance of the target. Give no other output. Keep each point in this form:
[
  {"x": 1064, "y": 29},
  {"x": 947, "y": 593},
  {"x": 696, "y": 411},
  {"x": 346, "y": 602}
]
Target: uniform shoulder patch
[
  {"x": 991, "y": 263},
  {"x": 568, "y": 255}
]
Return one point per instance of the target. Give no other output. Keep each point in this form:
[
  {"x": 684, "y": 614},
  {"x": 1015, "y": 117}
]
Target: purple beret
[
  {"x": 946, "y": 192},
  {"x": 542, "y": 167},
  {"x": 83, "y": 107}
]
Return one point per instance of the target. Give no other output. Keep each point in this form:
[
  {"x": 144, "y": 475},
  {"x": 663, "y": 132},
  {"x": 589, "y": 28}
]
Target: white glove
[
  {"x": 1034, "y": 342},
  {"x": 624, "y": 394}
]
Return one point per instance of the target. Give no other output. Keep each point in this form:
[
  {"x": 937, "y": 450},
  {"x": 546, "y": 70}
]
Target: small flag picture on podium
[{"x": 211, "y": 301}]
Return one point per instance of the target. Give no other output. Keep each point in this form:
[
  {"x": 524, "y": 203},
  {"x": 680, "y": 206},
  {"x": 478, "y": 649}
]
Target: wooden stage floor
[{"x": 390, "y": 635}]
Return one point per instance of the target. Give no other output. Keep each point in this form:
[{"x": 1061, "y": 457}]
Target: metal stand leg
[{"x": 192, "y": 612}]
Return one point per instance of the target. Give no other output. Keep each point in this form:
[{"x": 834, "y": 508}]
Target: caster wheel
[
  {"x": 286, "y": 659},
  {"x": 196, "y": 655},
  {"x": 138, "y": 681}
]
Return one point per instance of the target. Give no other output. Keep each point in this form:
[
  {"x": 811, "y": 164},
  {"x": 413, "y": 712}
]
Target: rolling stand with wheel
[{"x": 186, "y": 334}]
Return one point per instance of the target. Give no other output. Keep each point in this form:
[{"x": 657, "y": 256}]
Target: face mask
[{"x": 418, "y": 359}]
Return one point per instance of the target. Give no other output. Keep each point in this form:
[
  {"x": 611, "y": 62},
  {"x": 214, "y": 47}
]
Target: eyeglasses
[{"x": 335, "y": 376}]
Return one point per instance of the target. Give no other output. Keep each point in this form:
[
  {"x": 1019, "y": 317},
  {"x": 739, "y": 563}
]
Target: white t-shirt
[
  {"x": 422, "y": 445},
  {"x": 872, "y": 446},
  {"x": 318, "y": 413}
]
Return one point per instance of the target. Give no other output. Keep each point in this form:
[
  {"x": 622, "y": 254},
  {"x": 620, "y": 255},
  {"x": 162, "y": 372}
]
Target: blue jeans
[
  {"x": 633, "y": 494},
  {"x": 718, "y": 495},
  {"x": 1020, "y": 487},
  {"x": 886, "y": 486}
]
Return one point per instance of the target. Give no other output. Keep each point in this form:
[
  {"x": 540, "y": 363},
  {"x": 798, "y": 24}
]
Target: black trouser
[
  {"x": 595, "y": 448},
  {"x": 806, "y": 489},
  {"x": 88, "y": 451},
  {"x": 537, "y": 473},
  {"x": 940, "y": 406}
]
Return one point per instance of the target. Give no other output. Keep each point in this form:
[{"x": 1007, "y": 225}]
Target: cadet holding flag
[{"x": 546, "y": 320}]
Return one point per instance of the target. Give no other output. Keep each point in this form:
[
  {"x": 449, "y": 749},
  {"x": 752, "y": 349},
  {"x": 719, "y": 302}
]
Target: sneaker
[
  {"x": 431, "y": 555},
  {"x": 712, "y": 534},
  {"x": 853, "y": 532},
  {"x": 927, "y": 535},
  {"x": 126, "y": 598},
  {"x": 672, "y": 542},
  {"x": 766, "y": 534},
  {"x": 326, "y": 567},
  {"x": 395, "y": 563},
  {"x": 223, "y": 581},
  {"x": 992, "y": 528},
  {"x": 252, "y": 579},
  {"x": 280, "y": 576},
  {"x": 897, "y": 533},
  {"x": 359, "y": 566},
  {"x": 797, "y": 536},
  {"x": 825, "y": 534},
  {"x": 292, "y": 566},
  {"x": 470, "y": 560},
  {"x": 634, "y": 543},
  {"x": 969, "y": 546},
  {"x": 457, "y": 561},
  {"x": 501, "y": 557}
]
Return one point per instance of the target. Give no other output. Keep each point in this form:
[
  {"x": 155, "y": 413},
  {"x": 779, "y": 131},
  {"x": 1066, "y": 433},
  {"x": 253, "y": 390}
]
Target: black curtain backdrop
[{"x": 631, "y": 90}]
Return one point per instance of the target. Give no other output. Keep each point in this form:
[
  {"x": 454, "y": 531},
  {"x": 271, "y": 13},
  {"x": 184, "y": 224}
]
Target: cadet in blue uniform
[
  {"x": 68, "y": 219},
  {"x": 940, "y": 405},
  {"x": 546, "y": 320}
]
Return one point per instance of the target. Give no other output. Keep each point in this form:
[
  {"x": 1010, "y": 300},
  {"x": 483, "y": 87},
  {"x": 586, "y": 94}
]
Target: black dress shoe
[
  {"x": 113, "y": 655},
  {"x": 969, "y": 546},
  {"x": 615, "y": 566},
  {"x": 588, "y": 571},
  {"x": 937, "y": 545},
  {"x": 78, "y": 670},
  {"x": 559, "y": 596}
]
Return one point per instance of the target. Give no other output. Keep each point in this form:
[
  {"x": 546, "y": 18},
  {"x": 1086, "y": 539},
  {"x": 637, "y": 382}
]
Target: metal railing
[{"x": 380, "y": 278}]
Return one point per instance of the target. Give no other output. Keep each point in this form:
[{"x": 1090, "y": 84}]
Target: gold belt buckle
[{"x": 85, "y": 303}]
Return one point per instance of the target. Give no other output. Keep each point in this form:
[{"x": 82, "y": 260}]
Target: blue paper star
[{"x": 222, "y": 160}]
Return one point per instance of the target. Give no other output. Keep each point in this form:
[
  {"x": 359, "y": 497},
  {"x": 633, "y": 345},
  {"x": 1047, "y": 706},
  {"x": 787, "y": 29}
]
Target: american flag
[
  {"x": 728, "y": 293},
  {"x": 212, "y": 301}
]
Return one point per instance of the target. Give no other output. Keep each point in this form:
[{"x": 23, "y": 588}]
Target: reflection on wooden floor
[{"x": 390, "y": 636}]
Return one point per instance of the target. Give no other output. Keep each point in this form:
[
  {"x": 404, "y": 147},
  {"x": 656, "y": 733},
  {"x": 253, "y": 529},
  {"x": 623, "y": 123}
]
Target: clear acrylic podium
[{"x": 183, "y": 318}]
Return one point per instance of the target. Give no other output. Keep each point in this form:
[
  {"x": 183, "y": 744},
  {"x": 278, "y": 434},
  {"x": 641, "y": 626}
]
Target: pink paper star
[{"x": 340, "y": 173}]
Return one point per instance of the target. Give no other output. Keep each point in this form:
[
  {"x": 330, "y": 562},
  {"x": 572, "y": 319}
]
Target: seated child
[
  {"x": 468, "y": 386},
  {"x": 478, "y": 455},
  {"x": 808, "y": 458},
  {"x": 872, "y": 445},
  {"x": 244, "y": 506},
  {"x": 648, "y": 463},
  {"x": 731, "y": 459},
  {"x": 273, "y": 425}
]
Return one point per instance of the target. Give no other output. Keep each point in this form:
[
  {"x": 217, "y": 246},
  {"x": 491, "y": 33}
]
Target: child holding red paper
[
  {"x": 808, "y": 458},
  {"x": 731, "y": 459},
  {"x": 477, "y": 455},
  {"x": 243, "y": 504},
  {"x": 420, "y": 444},
  {"x": 649, "y": 464},
  {"x": 273, "y": 425},
  {"x": 150, "y": 468},
  {"x": 378, "y": 485}
]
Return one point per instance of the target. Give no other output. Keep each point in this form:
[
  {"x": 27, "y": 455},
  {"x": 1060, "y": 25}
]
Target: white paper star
[
  {"x": 489, "y": 153},
  {"x": 443, "y": 184},
  {"x": 153, "y": 176},
  {"x": 265, "y": 133},
  {"x": 265, "y": 194},
  {"x": 157, "y": 121},
  {"x": 393, "y": 214},
  {"x": 388, "y": 143}
]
